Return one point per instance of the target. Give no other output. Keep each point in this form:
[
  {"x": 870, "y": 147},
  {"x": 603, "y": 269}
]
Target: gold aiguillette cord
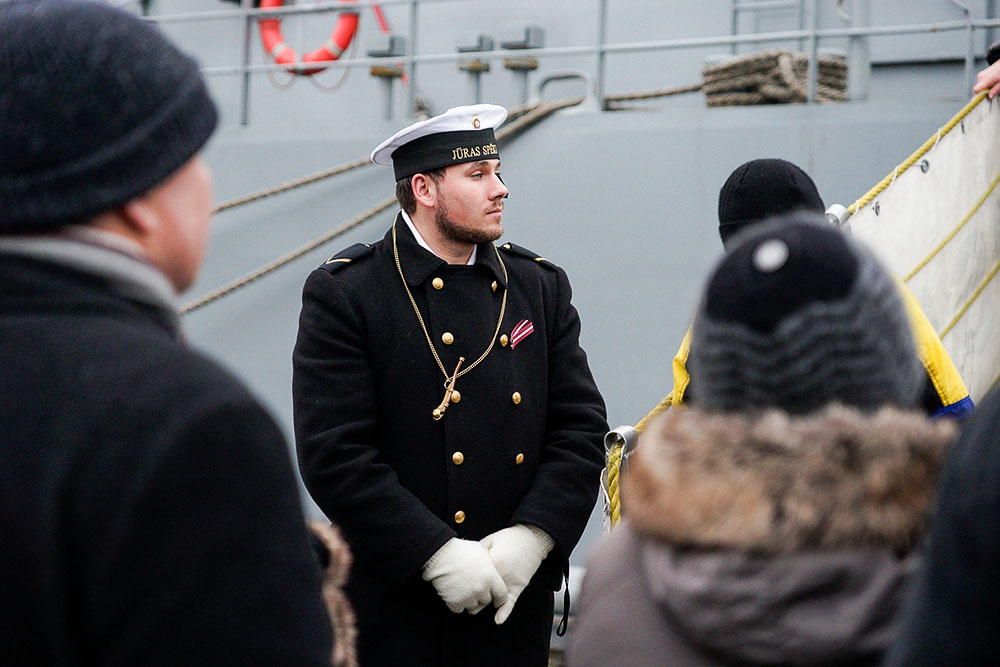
[
  {"x": 449, "y": 381},
  {"x": 448, "y": 390}
]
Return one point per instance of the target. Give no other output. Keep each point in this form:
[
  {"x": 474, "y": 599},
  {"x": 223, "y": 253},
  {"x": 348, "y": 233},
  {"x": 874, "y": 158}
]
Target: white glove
[
  {"x": 464, "y": 576},
  {"x": 517, "y": 552}
]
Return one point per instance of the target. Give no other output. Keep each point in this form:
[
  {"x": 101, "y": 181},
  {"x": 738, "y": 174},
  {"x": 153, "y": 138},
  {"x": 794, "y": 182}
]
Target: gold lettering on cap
[{"x": 474, "y": 152}]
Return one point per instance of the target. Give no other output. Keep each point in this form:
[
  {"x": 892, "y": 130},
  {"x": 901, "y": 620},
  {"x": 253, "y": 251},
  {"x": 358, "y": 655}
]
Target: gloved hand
[
  {"x": 464, "y": 576},
  {"x": 517, "y": 552}
]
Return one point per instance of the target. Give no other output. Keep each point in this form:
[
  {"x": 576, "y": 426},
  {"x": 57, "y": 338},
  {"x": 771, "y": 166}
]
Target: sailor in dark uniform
[{"x": 445, "y": 415}]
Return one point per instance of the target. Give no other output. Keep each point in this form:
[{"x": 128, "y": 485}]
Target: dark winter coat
[
  {"x": 149, "y": 514},
  {"x": 523, "y": 445},
  {"x": 776, "y": 541},
  {"x": 954, "y": 612}
]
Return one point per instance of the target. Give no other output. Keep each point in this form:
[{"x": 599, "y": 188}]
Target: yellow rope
[
  {"x": 910, "y": 161},
  {"x": 950, "y": 236},
  {"x": 660, "y": 408},
  {"x": 614, "y": 462},
  {"x": 614, "y": 467},
  {"x": 993, "y": 386},
  {"x": 975, "y": 295}
]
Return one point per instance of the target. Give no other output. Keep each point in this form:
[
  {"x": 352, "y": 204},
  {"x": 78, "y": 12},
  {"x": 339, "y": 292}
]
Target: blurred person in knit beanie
[
  {"x": 763, "y": 189},
  {"x": 777, "y": 521},
  {"x": 150, "y": 513}
]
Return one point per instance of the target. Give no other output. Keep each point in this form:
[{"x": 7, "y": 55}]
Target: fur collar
[
  {"x": 777, "y": 484},
  {"x": 342, "y": 621}
]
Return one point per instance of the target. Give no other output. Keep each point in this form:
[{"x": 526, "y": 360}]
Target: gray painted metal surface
[
  {"x": 276, "y": 98},
  {"x": 624, "y": 201}
]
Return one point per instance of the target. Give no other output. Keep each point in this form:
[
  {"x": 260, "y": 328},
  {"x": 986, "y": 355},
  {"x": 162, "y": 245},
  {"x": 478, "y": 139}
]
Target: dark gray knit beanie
[
  {"x": 797, "y": 316},
  {"x": 97, "y": 107},
  {"x": 761, "y": 189}
]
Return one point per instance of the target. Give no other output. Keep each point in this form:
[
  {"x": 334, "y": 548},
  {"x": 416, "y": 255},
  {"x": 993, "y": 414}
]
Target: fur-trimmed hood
[
  {"x": 776, "y": 483},
  {"x": 335, "y": 557},
  {"x": 783, "y": 540}
]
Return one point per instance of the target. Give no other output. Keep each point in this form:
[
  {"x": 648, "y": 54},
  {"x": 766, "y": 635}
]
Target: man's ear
[
  {"x": 424, "y": 190},
  {"x": 141, "y": 218}
]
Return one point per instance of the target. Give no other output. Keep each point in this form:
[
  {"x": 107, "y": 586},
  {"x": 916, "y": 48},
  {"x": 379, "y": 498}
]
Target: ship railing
[{"x": 858, "y": 33}]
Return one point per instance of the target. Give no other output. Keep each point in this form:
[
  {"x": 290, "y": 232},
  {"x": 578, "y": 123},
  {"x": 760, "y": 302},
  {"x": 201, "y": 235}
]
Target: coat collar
[
  {"x": 418, "y": 263},
  {"x": 102, "y": 254},
  {"x": 776, "y": 483}
]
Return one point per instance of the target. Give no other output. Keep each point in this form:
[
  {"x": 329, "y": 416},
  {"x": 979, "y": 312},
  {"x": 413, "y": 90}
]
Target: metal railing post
[
  {"x": 813, "y": 64},
  {"x": 602, "y": 35},
  {"x": 970, "y": 55},
  {"x": 991, "y": 12},
  {"x": 243, "y": 94},
  {"x": 734, "y": 19},
  {"x": 859, "y": 65},
  {"x": 411, "y": 69},
  {"x": 802, "y": 19}
]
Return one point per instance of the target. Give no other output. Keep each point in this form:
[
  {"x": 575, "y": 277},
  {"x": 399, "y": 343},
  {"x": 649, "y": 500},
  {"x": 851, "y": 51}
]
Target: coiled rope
[
  {"x": 526, "y": 117},
  {"x": 776, "y": 76}
]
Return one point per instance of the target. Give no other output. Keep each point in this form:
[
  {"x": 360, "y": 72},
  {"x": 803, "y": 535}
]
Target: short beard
[{"x": 453, "y": 232}]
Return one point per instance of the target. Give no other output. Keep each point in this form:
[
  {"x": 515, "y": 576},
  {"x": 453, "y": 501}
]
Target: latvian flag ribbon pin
[{"x": 520, "y": 332}]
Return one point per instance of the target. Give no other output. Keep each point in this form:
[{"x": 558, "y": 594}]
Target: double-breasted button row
[
  {"x": 438, "y": 283},
  {"x": 456, "y": 396},
  {"x": 458, "y": 458}
]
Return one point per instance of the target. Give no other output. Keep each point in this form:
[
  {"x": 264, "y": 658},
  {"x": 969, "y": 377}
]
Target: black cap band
[{"x": 444, "y": 149}]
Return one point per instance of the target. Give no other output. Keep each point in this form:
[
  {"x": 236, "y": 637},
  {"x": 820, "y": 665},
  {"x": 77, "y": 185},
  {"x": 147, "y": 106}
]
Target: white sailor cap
[{"x": 460, "y": 134}]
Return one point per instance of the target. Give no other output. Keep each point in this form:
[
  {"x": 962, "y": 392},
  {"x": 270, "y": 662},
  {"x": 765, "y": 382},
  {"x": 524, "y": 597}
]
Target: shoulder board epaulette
[
  {"x": 520, "y": 251},
  {"x": 346, "y": 256}
]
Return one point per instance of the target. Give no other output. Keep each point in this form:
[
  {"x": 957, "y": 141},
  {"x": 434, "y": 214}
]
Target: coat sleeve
[
  {"x": 565, "y": 487},
  {"x": 953, "y": 611},
  {"x": 334, "y": 402}
]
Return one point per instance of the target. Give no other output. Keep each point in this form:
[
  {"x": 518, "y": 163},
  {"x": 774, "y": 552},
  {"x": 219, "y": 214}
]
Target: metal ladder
[{"x": 738, "y": 7}]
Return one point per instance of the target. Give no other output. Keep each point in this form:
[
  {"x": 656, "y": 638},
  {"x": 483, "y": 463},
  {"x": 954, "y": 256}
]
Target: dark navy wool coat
[
  {"x": 523, "y": 444},
  {"x": 149, "y": 513}
]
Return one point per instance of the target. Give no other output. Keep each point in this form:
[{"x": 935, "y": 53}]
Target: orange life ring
[{"x": 283, "y": 54}]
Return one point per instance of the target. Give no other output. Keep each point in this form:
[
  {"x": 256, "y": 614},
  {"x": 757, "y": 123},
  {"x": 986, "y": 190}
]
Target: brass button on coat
[
  {"x": 459, "y": 516},
  {"x": 504, "y": 340},
  {"x": 455, "y": 396},
  {"x": 447, "y": 338},
  {"x": 516, "y": 398},
  {"x": 458, "y": 457},
  {"x": 493, "y": 287},
  {"x": 519, "y": 459},
  {"x": 437, "y": 283}
]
